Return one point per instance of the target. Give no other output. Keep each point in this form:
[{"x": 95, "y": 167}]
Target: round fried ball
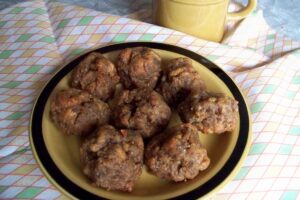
[
  {"x": 139, "y": 67},
  {"x": 113, "y": 159},
  {"x": 97, "y": 75},
  {"x": 141, "y": 109},
  {"x": 179, "y": 80},
  {"x": 215, "y": 114},
  {"x": 77, "y": 112},
  {"x": 176, "y": 155}
]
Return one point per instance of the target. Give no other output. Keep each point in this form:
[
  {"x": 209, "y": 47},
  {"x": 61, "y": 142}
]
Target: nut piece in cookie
[
  {"x": 77, "y": 112},
  {"x": 139, "y": 67},
  {"x": 113, "y": 159},
  {"x": 141, "y": 109},
  {"x": 176, "y": 155},
  {"x": 97, "y": 75}
]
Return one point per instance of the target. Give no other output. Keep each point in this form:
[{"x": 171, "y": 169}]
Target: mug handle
[{"x": 243, "y": 13}]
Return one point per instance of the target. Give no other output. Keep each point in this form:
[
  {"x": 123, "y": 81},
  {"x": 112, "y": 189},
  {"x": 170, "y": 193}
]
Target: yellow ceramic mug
[{"x": 201, "y": 18}]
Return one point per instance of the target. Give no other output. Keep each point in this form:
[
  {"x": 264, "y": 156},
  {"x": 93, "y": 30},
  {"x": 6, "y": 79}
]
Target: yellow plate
[{"x": 58, "y": 154}]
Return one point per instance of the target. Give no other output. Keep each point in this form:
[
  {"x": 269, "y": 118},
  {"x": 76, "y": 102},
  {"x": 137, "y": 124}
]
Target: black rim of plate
[{"x": 78, "y": 192}]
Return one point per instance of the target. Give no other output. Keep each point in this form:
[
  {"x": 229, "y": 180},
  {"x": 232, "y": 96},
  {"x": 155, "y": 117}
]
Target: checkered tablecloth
[{"x": 36, "y": 37}]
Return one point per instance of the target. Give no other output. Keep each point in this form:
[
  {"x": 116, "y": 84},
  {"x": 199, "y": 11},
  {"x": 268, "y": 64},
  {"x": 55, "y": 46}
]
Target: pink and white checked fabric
[{"x": 36, "y": 37}]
